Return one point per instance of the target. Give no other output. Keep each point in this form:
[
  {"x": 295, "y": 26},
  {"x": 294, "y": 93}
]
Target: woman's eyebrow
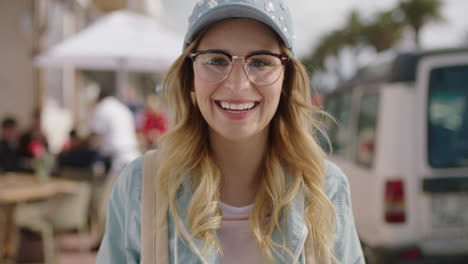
[
  {"x": 261, "y": 51},
  {"x": 216, "y": 50},
  {"x": 252, "y": 52}
]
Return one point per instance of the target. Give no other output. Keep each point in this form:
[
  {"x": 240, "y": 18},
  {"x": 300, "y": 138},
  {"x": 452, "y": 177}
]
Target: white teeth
[
  {"x": 228, "y": 106},
  {"x": 225, "y": 105},
  {"x": 248, "y": 105}
]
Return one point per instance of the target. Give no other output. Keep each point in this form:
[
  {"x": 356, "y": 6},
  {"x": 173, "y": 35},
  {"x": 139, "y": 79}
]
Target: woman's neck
[{"x": 240, "y": 163}]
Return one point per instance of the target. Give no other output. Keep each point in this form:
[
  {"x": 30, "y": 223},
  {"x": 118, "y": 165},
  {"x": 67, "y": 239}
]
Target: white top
[
  {"x": 114, "y": 122},
  {"x": 236, "y": 238}
]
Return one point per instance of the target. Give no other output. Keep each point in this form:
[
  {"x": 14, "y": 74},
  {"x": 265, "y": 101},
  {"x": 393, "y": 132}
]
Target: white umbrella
[{"x": 119, "y": 41}]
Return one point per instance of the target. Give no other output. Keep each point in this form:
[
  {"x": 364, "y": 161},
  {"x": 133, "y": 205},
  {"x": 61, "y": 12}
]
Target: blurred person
[
  {"x": 78, "y": 153},
  {"x": 239, "y": 177},
  {"x": 56, "y": 124},
  {"x": 33, "y": 137},
  {"x": 9, "y": 153},
  {"x": 113, "y": 135},
  {"x": 73, "y": 141},
  {"x": 113, "y": 130},
  {"x": 154, "y": 123}
]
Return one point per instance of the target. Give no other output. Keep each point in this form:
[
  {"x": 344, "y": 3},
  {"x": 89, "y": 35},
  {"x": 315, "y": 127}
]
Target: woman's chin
[{"x": 239, "y": 135}]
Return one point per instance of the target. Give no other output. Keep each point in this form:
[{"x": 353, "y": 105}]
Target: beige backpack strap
[
  {"x": 309, "y": 249},
  {"x": 154, "y": 244}
]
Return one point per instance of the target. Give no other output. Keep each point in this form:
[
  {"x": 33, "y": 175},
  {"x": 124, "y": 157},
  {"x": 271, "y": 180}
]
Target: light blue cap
[{"x": 273, "y": 13}]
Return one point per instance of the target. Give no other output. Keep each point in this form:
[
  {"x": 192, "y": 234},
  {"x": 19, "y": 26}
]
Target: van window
[
  {"x": 339, "y": 106},
  {"x": 448, "y": 117},
  {"x": 366, "y": 129}
]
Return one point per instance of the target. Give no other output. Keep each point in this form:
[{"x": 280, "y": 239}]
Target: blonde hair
[{"x": 184, "y": 154}]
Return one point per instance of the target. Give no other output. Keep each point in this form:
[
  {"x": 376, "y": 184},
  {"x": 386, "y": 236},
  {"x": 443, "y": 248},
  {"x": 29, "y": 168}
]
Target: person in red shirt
[{"x": 154, "y": 122}]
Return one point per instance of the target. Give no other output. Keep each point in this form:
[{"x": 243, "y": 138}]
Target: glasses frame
[{"x": 283, "y": 58}]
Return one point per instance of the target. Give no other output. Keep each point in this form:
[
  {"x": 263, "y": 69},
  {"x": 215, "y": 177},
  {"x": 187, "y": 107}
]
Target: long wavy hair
[{"x": 184, "y": 154}]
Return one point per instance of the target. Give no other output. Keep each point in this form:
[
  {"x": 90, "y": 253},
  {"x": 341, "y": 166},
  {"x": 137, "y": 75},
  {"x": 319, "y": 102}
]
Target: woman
[{"x": 239, "y": 174}]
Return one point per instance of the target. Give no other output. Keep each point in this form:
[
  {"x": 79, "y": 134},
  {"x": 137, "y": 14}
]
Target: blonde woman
[{"x": 239, "y": 176}]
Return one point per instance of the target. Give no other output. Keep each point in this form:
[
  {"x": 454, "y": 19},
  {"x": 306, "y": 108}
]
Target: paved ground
[
  {"x": 76, "y": 258},
  {"x": 69, "y": 249}
]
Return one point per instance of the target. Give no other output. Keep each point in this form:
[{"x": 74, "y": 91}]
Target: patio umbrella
[{"x": 121, "y": 41}]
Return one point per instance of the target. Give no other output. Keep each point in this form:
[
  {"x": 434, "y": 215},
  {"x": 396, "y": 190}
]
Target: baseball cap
[{"x": 273, "y": 13}]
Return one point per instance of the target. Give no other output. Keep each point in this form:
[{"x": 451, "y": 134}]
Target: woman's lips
[{"x": 237, "y": 109}]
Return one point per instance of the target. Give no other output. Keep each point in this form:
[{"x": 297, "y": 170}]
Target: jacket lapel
[
  {"x": 183, "y": 241},
  {"x": 294, "y": 232}
]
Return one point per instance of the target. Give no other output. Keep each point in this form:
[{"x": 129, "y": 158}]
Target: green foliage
[
  {"x": 332, "y": 43},
  {"x": 418, "y": 13},
  {"x": 384, "y": 32},
  {"x": 381, "y": 33}
]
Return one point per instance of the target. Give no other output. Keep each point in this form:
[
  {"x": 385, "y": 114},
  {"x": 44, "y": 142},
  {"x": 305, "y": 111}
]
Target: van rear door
[{"x": 442, "y": 143}]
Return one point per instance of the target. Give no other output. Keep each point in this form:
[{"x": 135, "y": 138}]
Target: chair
[
  {"x": 95, "y": 175},
  {"x": 70, "y": 212},
  {"x": 31, "y": 216},
  {"x": 62, "y": 213}
]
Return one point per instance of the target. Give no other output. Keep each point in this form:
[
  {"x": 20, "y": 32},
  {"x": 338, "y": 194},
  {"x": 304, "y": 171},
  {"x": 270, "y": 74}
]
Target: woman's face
[{"x": 220, "y": 103}]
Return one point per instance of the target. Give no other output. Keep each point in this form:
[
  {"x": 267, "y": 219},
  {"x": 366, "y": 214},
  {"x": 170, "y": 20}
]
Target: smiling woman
[{"x": 240, "y": 177}]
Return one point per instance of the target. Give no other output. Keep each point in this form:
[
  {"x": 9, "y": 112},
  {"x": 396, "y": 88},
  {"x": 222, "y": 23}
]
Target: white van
[{"x": 402, "y": 139}]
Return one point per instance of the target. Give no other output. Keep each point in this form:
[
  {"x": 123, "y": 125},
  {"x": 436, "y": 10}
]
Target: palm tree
[
  {"x": 327, "y": 50},
  {"x": 353, "y": 29},
  {"x": 331, "y": 45},
  {"x": 418, "y": 13},
  {"x": 384, "y": 32}
]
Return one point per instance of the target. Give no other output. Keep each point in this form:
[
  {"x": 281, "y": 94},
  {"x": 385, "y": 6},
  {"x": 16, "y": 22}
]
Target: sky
[{"x": 314, "y": 18}]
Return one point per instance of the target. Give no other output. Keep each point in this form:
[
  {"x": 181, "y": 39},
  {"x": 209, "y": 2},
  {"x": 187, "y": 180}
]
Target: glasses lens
[
  {"x": 263, "y": 69},
  {"x": 212, "y": 67}
]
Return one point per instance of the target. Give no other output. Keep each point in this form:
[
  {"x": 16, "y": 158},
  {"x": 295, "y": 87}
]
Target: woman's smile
[{"x": 236, "y": 109}]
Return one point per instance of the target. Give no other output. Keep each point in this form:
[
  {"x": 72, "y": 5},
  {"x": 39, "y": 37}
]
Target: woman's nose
[{"x": 237, "y": 78}]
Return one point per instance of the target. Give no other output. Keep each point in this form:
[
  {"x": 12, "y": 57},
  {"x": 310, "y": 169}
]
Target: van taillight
[
  {"x": 411, "y": 253},
  {"x": 395, "y": 201}
]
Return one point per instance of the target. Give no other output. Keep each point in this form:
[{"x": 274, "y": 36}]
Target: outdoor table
[{"x": 23, "y": 187}]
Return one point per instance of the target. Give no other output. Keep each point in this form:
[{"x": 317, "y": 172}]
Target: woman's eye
[
  {"x": 217, "y": 62},
  {"x": 258, "y": 63}
]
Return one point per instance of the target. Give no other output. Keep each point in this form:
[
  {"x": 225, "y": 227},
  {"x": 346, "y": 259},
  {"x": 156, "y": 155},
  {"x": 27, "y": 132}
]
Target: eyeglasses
[{"x": 262, "y": 68}]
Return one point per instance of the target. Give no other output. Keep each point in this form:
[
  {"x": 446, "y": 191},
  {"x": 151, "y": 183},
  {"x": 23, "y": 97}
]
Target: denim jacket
[{"x": 121, "y": 243}]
